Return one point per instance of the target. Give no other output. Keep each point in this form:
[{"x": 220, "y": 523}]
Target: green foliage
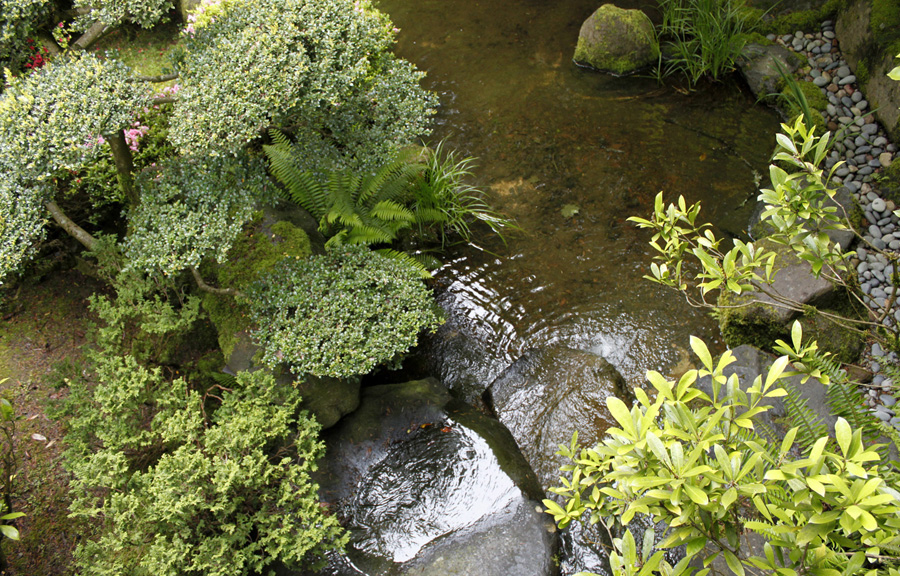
[
  {"x": 421, "y": 191},
  {"x": 144, "y": 13},
  {"x": 340, "y": 314},
  {"x": 8, "y": 467},
  {"x": 18, "y": 20},
  {"x": 180, "y": 491},
  {"x": 21, "y": 224},
  {"x": 796, "y": 208},
  {"x": 702, "y": 38},
  {"x": 192, "y": 208},
  {"x": 695, "y": 462},
  {"x": 49, "y": 121},
  {"x": 49, "y": 118},
  {"x": 800, "y": 98},
  {"x": 325, "y": 69},
  {"x": 149, "y": 315}
]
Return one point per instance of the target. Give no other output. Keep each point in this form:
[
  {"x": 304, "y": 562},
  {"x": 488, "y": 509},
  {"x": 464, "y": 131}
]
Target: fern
[
  {"x": 411, "y": 261},
  {"x": 810, "y": 426}
]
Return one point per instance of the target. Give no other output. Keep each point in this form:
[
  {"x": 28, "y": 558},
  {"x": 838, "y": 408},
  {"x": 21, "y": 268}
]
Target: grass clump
[{"x": 702, "y": 38}]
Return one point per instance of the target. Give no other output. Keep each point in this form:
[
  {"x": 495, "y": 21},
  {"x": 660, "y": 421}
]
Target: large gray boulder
[
  {"x": 548, "y": 394},
  {"x": 756, "y": 318},
  {"x": 759, "y": 65},
  {"x": 617, "y": 40},
  {"x": 427, "y": 485}
]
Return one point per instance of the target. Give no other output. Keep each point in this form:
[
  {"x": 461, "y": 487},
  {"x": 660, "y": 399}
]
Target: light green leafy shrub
[
  {"x": 697, "y": 463},
  {"x": 144, "y": 13},
  {"x": 181, "y": 489},
  {"x": 192, "y": 208},
  {"x": 21, "y": 224},
  {"x": 50, "y": 119},
  {"x": 340, "y": 314},
  {"x": 325, "y": 68}
]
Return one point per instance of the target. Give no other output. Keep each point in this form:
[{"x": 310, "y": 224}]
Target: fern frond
[
  {"x": 224, "y": 380},
  {"x": 389, "y": 210},
  {"x": 406, "y": 260},
  {"x": 810, "y": 426}
]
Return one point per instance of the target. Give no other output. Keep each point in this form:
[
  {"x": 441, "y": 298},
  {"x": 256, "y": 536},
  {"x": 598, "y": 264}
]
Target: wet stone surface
[{"x": 427, "y": 485}]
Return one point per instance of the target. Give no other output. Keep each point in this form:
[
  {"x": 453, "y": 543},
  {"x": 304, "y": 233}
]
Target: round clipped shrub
[{"x": 340, "y": 314}]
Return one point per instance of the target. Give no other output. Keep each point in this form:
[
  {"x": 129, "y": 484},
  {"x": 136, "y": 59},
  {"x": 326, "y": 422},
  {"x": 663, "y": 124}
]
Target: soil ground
[{"x": 42, "y": 341}]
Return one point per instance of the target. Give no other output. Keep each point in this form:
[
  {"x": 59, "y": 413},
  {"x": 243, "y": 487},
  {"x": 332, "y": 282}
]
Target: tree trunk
[
  {"x": 73, "y": 229},
  {"x": 90, "y": 36},
  {"x": 122, "y": 157}
]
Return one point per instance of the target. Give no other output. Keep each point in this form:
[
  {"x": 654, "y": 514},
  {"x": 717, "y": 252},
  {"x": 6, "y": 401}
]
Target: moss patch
[
  {"x": 255, "y": 252},
  {"x": 790, "y": 22}
]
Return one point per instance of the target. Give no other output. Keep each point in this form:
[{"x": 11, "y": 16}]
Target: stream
[{"x": 570, "y": 154}]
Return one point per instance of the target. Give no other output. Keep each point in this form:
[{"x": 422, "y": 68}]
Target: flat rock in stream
[
  {"x": 760, "y": 67},
  {"x": 549, "y": 393},
  {"x": 426, "y": 485}
]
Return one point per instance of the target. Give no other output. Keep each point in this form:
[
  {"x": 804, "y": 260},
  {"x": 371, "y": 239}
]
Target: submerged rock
[
  {"x": 548, "y": 394},
  {"x": 427, "y": 485},
  {"x": 617, "y": 40}
]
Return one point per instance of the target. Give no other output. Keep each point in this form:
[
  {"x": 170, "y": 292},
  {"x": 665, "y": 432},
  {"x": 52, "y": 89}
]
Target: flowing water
[
  {"x": 570, "y": 154},
  {"x": 548, "y": 134}
]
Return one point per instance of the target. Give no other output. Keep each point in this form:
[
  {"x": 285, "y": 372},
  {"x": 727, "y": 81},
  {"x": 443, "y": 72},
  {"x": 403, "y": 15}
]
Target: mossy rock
[
  {"x": 617, "y": 40},
  {"x": 750, "y": 318},
  {"x": 845, "y": 346},
  {"x": 266, "y": 240}
]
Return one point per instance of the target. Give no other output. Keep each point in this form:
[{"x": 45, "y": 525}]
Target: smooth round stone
[
  {"x": 886, "y": 159},
  {"x": 862, "y": 104},
  {"x": 894, "y": 244},
  {"x": 851, "y": 143},
  {"x": 797, "y": 45},
  {"x": 828, "y": 34},
  {"x": 859, "y": 121},
  {"x": 832, "y": 111},
  {"x": 890, "y": 207},
  {"x": 880, "y": 141},
  {"x": 787, "y": 38},
  {"x": 799, "y": 34},
  {"x": 871, "y": 217},
  {"x": 886, "y": 383},
  {"x": 843, "y": 71},
  {"x": 856, "y": 96},
  {"x": 877, "y": 350},
  {"x": 822, "y": 81},
  {"x": 877, "y": 293},
  {"x": 847, "y": 80},
  {"x": 772, "y": 37},
  {"x": 877, "y": 150},
  {"x": 861, "y": 269},
  {"x": 878, "y": 205},
  {"x": 854, "y": 187},
  {"x": 845, "y": 119},
  {"x": 842, "y": 171},
  {"x": 846, "y": 101},
  {"x": 870, "y": 129},
  {"x": 826, "y": 48},
  {"x": 875, "y": 232},
  {"x": 865, "y": 170},
  {"x": 878, "y": 243},
  {"x": 859, "y": 158},
  {"x": 861, "y": 253},
  {"x": 883, "y": 414},
  {"x": 875, "y": 163},
  {"x": 887, "y": 400},
  {"x": 864, "y": 149}
]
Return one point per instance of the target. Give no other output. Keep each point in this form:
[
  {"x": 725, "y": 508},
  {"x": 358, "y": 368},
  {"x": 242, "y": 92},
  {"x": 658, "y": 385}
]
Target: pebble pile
[{"x": 865, "y": 149}]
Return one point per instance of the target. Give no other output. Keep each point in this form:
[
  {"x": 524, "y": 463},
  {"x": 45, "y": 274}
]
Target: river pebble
[{"x": 864, "y": 150}]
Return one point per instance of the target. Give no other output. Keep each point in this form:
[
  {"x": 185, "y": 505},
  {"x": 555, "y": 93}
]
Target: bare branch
[
  {"x": 159, "y": 78},
  {"x": 201, "y": 283},
  {"x": 91, "y": 35},
  {"x": 70, "y": 226}
]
